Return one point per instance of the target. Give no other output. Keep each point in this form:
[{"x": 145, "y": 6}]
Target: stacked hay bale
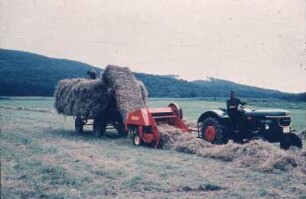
[
  {"x": 80, "y": 97},
  {"x": 91, "y": 98}
]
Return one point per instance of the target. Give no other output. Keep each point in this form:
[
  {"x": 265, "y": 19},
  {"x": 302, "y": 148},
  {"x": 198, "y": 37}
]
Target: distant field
[
  {"x": 192, "y": 107},
  {"x": 42, "y": 157}
]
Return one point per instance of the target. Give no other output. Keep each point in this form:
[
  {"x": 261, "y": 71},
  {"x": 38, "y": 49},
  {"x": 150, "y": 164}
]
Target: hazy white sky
[{"x": 255, "y": 42}]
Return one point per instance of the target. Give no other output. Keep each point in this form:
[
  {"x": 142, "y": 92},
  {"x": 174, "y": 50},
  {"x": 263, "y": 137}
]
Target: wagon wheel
[
  {"x": 78, "y": 124},
  {"x": 99, "y": 128},
  {"x": 119, "y": 126}
]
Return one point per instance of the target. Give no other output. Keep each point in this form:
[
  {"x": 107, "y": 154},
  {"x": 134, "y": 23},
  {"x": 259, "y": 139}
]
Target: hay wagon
[
  {"x": 108, "y": 120},
  {"x": 102, "y": 103}
]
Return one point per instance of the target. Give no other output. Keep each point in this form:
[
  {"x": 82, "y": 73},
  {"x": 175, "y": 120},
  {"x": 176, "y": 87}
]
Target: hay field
[{"x": 42, "y": 157}]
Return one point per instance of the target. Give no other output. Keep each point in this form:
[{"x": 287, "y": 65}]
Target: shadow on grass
[{"x": 86, "y": 135}]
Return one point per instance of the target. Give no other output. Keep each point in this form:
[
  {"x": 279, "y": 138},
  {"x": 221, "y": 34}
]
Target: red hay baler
[{"x": 143, "y": 123}]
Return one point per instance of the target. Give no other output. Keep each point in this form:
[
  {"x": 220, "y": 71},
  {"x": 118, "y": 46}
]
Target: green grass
[
  {"x": 28, "y": 102},
  {"x": 42, "y": 157}
]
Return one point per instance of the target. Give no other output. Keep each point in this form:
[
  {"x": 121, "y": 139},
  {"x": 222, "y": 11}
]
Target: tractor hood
[{"x": 267, "y": 112}]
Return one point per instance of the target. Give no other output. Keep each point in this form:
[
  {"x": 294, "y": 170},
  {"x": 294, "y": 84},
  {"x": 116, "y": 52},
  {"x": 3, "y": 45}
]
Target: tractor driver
[{"x": 232, "y": 105}]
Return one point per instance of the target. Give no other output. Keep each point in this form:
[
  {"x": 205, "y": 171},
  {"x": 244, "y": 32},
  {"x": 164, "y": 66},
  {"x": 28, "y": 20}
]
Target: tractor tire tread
[{"x": 222, "y": 134}]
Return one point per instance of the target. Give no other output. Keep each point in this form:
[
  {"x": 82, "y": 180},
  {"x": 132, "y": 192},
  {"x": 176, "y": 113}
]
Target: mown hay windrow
[
  {"x": 169, "y": 135},
  {"x": 174, "y": 138},
  {"x": 188, "y": 143},
  {"x": 81, "y": 97},
  {"x": 129, "y": 94},
  {"x": 302, "y": 134},
  {"x": 190, "y": 124},
  {"x": 258, "y": 155}
]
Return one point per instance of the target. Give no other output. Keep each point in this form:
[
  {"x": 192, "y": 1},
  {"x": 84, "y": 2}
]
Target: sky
[{"x": 255, "y": 42}]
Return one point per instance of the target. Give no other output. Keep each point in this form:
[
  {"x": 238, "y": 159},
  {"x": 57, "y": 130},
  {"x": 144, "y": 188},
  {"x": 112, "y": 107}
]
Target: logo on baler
[{"x": 135, "y": 118}]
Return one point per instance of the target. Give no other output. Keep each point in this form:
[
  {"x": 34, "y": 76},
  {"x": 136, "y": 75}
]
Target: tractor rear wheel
[
  {"x": 290, "y": 139},
  {"x": 213, "y": 131},
  {"x": 98, "y": 128},
  {"x": 78, "y": 124},
  {"x": 136, "y": 140}
]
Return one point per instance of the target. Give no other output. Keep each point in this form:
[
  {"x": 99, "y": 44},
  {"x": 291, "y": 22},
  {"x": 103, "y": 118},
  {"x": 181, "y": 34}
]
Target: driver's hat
[{"x": 232, "y": 92}]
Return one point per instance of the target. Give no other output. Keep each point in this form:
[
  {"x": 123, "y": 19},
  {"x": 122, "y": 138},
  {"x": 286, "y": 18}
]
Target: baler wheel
[{"x": 137, "y": 140}]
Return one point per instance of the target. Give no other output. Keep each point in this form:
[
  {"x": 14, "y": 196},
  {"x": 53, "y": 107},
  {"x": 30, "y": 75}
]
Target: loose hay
[
  {"x": 174, "y": 138},
  {"x": 129, "y": 93},
  {"x": 187, "y": 143},
  {"x": 81, "y": 97},
  {"x": 302, "y": 134},
  {"x": 168, "y": 135},
  {"x": 190, "y": 124},
  {"x": 257, "y": 155}
]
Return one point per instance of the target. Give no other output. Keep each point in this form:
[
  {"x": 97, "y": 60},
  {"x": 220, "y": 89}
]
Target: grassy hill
[{"x": 28, "y": 74}]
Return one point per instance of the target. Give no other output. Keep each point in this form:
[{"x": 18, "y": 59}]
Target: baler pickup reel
[{"x": 143, "y": 123}]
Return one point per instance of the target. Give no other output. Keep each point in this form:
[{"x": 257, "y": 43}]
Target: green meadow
[{"x": 42, "y": 157}]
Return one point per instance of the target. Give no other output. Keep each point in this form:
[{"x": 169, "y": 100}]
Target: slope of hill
[
  {"x": 223, "y": 86},
  {"x": 24, "y": 73},
  {"x": 28, "y": 74}
]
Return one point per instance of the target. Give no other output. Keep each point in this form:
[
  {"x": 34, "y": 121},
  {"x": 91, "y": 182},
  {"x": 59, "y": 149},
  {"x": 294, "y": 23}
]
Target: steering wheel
[{"x": 242, "y": 106}]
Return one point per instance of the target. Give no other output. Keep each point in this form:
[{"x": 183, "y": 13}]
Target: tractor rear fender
[{"x": 219, "y": 114}]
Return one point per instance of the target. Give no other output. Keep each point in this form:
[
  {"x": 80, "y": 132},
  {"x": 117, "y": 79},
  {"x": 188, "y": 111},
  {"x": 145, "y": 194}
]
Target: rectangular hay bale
[{"x": 81, "y": 97}]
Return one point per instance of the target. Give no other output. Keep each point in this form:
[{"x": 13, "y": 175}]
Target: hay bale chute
[{"x": 129, "y": 93}]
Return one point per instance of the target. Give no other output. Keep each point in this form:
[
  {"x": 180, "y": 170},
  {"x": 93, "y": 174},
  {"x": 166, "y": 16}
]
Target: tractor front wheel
[
  {"x": 213, "y": 131},
  {"x": 290, "y": 139},
  {"x": 98, "y": 128}
]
